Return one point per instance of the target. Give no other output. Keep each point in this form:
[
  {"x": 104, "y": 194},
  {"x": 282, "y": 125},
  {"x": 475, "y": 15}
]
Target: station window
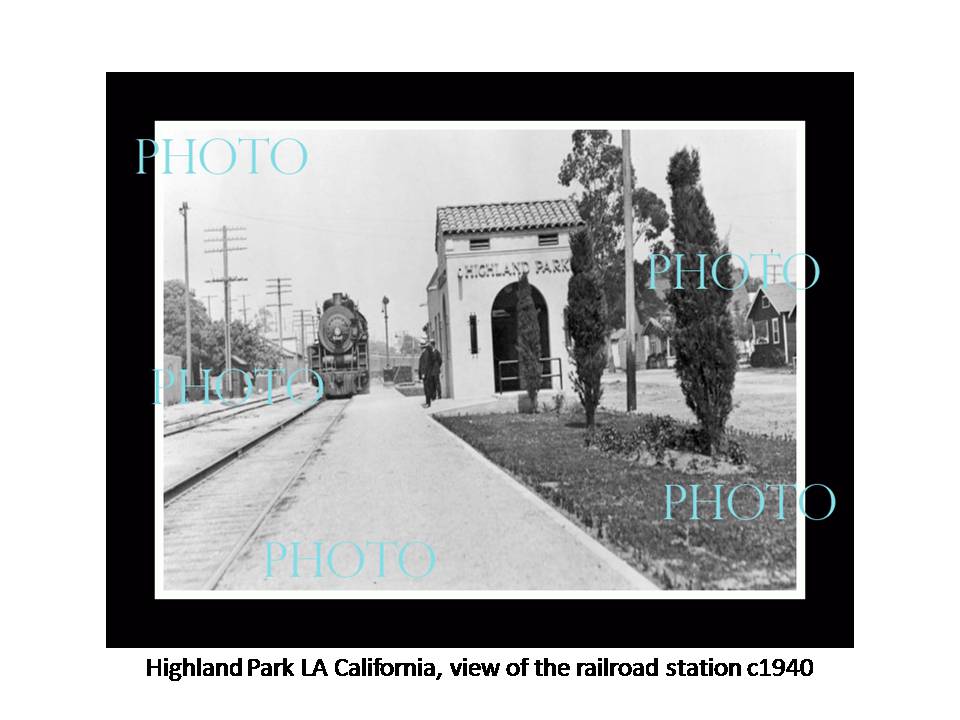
[
  {"x": 547, "y": 240},
  {"x": 479, "y": 243},
  {"x": 764, "y": 302},
  {"x": 775, "y": 325},
  {"x": 473, "y": 334}
]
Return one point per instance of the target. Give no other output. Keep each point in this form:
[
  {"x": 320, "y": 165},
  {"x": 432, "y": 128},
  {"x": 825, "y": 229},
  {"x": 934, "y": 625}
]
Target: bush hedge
[
  {"x": 767, "y": 356},
  {"x": 656, "y": 434}
]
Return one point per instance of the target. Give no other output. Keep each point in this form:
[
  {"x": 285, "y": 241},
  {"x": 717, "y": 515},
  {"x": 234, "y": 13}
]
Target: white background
[{"x": 54, "y": 663}]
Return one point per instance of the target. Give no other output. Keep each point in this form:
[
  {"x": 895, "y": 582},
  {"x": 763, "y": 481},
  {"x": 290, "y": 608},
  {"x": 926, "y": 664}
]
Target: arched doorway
[{"x": 503, "y": 325}]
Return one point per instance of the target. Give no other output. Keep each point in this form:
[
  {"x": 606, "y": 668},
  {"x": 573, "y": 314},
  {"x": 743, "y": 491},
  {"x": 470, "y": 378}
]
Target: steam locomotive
[{"x": 340, "y": 356}]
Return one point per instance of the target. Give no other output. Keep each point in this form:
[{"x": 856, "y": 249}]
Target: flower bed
[{"x": 622, "y": 501}]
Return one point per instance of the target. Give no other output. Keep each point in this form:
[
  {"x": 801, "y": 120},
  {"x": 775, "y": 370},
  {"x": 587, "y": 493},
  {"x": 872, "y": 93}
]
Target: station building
[{"x": 482, "y": 251}]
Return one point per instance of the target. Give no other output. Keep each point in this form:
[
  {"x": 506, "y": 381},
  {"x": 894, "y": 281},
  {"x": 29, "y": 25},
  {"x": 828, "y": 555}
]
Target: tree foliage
[
  {"x": 175, "y": 321},
  {"x": 595, "y": 165},
  {"x": 703, "y": 336},
  {"x": 246, "y": 343},
  {"x": 208, "y": 336},
  {"x": 528, "y": 341},
  {"x": 586, "y": 322}
]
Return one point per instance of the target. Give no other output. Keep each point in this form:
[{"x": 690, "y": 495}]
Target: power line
[
  {"x": 208, "y": 298},
  {"x": 226, "y": 280},
  {"x": 301, "y": 322},
  {"x": 310, "y": 228},
  {"x": 279, "y": 286},
  {"x": 243, "y": 298}
]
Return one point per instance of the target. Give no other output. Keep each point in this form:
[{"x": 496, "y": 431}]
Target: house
[
  {"x": 653, "y": 346},
  {"x": 291, "y": 360},
  {"x": 652, "y": 340},
  {"x": 773, "y": 315}
]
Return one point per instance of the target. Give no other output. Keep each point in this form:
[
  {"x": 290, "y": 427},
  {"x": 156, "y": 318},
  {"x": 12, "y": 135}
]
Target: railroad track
[
  {"x": 210, "y": 516},
  {"x": 227, "y": 413},
  {"x": 183, "y": 485}
]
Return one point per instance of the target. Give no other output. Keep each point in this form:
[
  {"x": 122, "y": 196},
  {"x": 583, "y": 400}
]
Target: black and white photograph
[
  {"x": 481, "y": 359},
  {"x": 420, "y": 360}
]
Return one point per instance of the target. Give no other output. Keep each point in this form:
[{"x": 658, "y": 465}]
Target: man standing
[
  {"x": 436, "y": 361},
  {"x": 424, "y": 370}
]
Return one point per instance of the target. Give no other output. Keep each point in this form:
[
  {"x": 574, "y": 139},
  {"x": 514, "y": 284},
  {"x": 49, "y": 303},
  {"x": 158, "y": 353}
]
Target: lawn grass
[{"x": 623, "y": 502}]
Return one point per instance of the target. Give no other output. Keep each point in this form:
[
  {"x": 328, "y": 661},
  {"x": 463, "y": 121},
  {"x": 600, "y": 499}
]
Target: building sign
[{"x": 515, "y": 269}]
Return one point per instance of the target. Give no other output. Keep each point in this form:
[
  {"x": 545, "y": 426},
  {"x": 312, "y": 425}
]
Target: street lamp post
[{"x": 386, "y": 328}]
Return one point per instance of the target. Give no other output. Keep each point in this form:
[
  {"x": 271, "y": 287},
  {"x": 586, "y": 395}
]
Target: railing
[{"x": 549, "y": 374}]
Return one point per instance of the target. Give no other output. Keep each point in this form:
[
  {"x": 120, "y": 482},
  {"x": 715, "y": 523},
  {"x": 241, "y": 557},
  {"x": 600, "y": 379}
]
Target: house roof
[
  {"x": 287, "y": 352},
  {"x": 501, "y": 217},
  {"x": 653, "y": 327},
  {"x": 782, "y": 296}
]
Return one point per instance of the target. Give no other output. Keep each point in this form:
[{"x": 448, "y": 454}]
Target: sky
[{"x": 360, "y": 217}]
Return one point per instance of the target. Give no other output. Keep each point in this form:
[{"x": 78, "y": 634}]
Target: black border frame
[{"x": 823, "y": 619}]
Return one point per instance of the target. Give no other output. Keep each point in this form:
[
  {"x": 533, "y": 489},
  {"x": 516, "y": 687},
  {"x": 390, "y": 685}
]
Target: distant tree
[
  {"x": 739, "y": 306},
  {"x": 528, "y": 341},
  {"x": 703, "y": 336},
  {"x": 586, "y": 322},
  {"x": 263, "y": 321},
  {"x": 595, "y": 165},
  {"x": 246, "y": 343},
  {"x": 175, "y": 324}
]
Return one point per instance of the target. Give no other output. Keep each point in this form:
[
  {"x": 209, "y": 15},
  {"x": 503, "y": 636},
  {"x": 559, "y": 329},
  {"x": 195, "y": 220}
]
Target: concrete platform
[{"x": 391, "y": 474}]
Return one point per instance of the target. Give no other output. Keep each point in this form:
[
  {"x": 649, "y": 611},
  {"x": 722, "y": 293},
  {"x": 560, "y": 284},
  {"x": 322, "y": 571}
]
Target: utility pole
[
  {"x": 386, "y": 327},
  {"x": 186, "y": 282},
  {"x": 280, "y": 286},
  {"x": 303, "y": 321},
  {"x": 226, "y": 280},
  {"x": 629, "y": 310},
  {"x": 208, "y": 298},
  {"x": 243, "y": 299},
  {"x": 776, "y": 267}
]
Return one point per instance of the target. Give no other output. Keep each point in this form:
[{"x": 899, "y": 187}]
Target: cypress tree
[
  {"x": 704, "y": 338},
  {"x": 586, "y": 322},
  {"x": 528, "y": 341}
]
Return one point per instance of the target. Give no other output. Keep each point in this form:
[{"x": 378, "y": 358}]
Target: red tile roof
[{"x": 501, "y": 217}]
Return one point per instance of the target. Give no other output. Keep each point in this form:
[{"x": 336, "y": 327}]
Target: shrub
[
  {"x": 736, "y": 452},
  {"x": 528, "y": 342},
  {"x": 586, "y": 321},
  {"x": 703, "y": 332},
  {"x": 656, "y": 361},
  {"x": 655, "y": 434},
  {"x": 558, "y": 401},
  {"x": 767, "y": 356}
]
